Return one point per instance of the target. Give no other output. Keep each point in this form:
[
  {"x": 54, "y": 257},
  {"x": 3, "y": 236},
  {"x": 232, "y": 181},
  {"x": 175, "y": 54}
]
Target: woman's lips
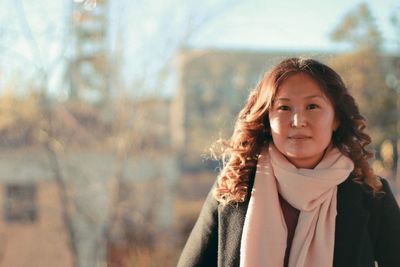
[{"x": 299, "y": 137}]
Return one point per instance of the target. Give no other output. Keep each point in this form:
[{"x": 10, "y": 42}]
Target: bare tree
[
  {"x": 136, "y": 130},
  {"x": 364, "y": 69},
  {"x": 131, "y": 133},
  {"x": 49, "y": 139}
]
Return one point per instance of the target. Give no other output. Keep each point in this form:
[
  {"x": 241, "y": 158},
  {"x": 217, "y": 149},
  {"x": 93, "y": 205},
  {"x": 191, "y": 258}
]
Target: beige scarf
[{"x": 312, "y": 191}]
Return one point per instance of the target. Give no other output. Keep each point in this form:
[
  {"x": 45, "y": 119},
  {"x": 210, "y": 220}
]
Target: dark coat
[{"x": 367, "y": 230}]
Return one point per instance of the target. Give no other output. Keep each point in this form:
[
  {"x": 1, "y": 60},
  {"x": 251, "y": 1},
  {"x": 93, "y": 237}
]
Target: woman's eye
[
  {"x": 283, "y": 107},
  {"x": 312, "y": 106}
]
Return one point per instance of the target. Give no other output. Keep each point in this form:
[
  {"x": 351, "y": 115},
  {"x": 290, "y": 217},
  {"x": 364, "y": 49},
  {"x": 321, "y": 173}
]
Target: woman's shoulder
[
  {"x": 351, "y": 186},
  {"x": 351, "y": 192},
  {"x": 386, "y": 196},
  {"x": 386, "y": 187}
]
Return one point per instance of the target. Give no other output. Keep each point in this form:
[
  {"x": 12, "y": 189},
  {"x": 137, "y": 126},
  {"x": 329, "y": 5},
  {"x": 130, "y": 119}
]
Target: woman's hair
[{"x": 252, "y": 129}]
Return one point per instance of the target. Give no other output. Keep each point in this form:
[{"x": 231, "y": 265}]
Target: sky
[
  {"x": 305, "y": 24},
  {"x": 33, "y": 33},
  {"x": 241, "y": 25}
]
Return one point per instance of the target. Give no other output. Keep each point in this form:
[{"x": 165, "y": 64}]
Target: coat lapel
[
  {"x": 351, "y": 224},
  {"x": 231, "y": 228},
  {"x": 231, "y": 219}
]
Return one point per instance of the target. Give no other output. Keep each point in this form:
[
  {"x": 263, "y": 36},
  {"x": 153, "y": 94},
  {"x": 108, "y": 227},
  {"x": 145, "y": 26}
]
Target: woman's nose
[{"x": 298, "y": 120}]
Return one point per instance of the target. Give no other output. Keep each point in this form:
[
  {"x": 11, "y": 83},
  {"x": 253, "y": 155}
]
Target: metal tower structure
[{"x": 88, "y": 68}]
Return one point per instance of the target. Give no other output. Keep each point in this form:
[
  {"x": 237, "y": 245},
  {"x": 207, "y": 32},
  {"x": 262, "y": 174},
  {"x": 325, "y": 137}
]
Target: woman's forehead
[{"x": 299, "y": 85}]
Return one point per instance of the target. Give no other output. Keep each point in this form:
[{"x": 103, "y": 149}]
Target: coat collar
[{"x": 351, "y": 223}]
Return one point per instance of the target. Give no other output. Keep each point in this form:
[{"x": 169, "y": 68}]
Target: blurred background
[{"x": 108, "y": 109}]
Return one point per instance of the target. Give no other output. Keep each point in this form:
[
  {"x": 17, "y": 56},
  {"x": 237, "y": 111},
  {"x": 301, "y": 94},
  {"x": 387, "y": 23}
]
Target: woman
[{"x": 297, "y": 189}]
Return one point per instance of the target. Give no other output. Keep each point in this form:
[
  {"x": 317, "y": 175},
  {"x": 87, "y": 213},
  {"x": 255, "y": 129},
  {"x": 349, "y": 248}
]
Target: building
[
  {"x": 98, "y": 186},
  {"x": 31, "y": 226}
]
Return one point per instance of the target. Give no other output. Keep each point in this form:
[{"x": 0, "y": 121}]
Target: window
[{"x": 20, "y": 204}]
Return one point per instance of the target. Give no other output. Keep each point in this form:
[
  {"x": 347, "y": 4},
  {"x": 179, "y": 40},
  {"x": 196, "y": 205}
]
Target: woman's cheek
[
  {"x": 278, "y": 122},
  {"x": 275, "y": 126}
]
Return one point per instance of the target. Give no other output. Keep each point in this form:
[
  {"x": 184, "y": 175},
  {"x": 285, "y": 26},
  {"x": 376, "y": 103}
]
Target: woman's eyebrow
[
  {"x": 315, "y": 96},
  {"x": 306, "y": 97}
]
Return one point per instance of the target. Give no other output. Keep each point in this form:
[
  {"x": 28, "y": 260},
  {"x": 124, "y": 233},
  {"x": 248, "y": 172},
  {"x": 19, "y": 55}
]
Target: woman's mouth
[{"x": 299, "y": 137}]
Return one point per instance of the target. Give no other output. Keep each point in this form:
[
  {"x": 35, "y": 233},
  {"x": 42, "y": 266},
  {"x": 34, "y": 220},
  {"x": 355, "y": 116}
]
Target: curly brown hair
[{"x": 252, "y": 129}]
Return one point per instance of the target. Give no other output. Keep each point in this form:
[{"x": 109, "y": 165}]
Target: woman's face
[{"x": 302, "y": 120}]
